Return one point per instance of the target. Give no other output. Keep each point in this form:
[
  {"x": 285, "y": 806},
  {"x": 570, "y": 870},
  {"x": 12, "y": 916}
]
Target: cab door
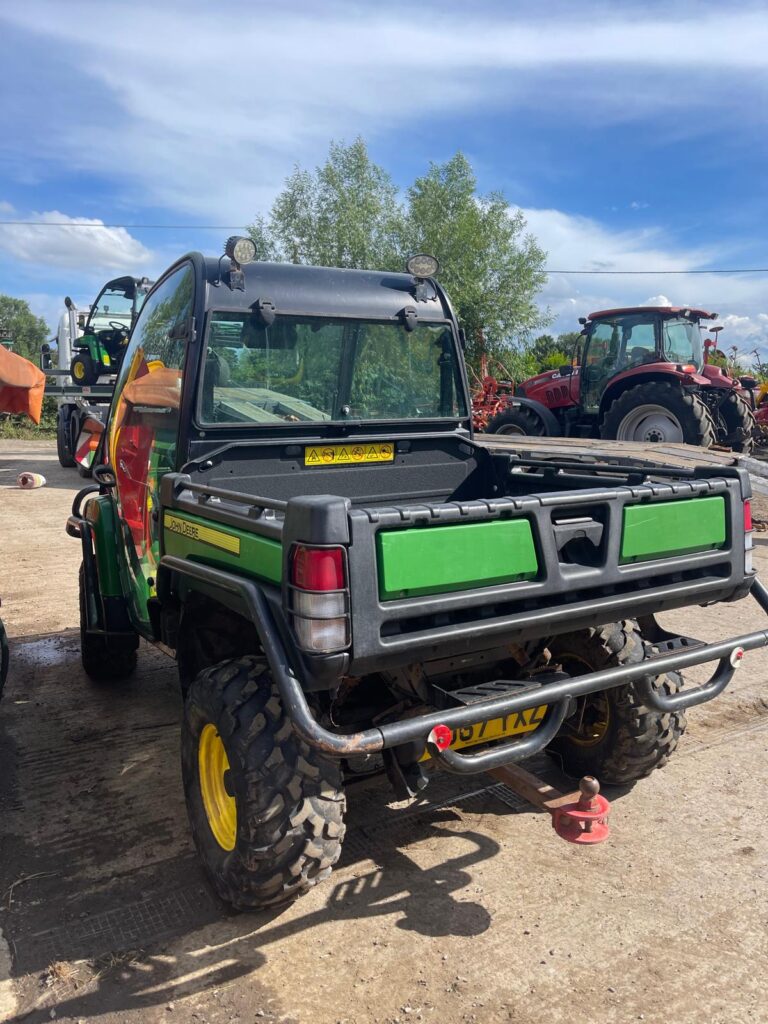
[{"x": 142, "y": 435}]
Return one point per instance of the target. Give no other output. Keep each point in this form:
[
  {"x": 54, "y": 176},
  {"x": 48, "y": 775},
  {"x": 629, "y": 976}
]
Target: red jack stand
[{"x": 580, "y": 818}]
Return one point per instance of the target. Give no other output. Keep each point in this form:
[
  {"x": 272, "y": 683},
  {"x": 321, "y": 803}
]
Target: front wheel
[
  {"x": 611, "y": 734},
  {"x": 266, "y": 810},
  {"x": 104, "y": 659},
  {"x": 518, "y": 420},
  {"x": 83, "y": 370},
  {"x": 659, "y": 412}
]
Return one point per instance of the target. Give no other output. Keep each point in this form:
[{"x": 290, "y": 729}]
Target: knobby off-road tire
[
  {"x": 739, "y": 421},
  {"x": 519, "y": 420},
  {"x": 693, "y": 416},
  {"x": 64, "y": 439},
  {"x": 104, "y": 660},
  {"x": 82, "y": 369},
  {"x": 288, "y": 798},
  {"x": 612, "y": 734}
]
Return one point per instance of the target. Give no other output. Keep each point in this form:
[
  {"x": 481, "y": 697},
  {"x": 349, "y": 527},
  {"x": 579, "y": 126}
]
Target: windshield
[
  {"x": 315, "y": 369},
  {"x": 682, "y": 342},
  {"x": 111, "y": 305}
]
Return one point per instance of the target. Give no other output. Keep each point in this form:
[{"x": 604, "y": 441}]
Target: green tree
[
  {"x": 25, "y": 331},
  {"x": 490, "y": 266},
  {"x": 346, "y": 213},
  {"x": 343, "y": 214}
]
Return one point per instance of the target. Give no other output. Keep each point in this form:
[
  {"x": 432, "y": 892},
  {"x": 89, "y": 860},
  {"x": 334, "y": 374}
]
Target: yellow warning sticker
[{"x": 348, "y": 454}]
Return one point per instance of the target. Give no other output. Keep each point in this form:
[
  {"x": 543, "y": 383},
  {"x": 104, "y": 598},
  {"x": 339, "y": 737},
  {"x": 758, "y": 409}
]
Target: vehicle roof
[
  {"x": 697, "y": 314},
  {"x": 122, "y": 282},
  {"x": 324, "y": 291}
]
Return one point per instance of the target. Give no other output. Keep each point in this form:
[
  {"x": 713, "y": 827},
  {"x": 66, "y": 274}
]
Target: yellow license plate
[
  {"x": 348, "y": 454},
  {"x": 496, "y": 728}
]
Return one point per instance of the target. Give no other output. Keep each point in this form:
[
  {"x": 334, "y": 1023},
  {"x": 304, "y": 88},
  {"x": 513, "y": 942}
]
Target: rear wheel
[
  {"x": 612, "y": 734},
  {"x": 739, "y": 423},
  {"x": 64, "y": 438},
  {"x": 517, "y": 420},
  {"x": 266, "y": 810},
  {"x": 104, "y": 659},
  {"x": 660, "y": 412}
]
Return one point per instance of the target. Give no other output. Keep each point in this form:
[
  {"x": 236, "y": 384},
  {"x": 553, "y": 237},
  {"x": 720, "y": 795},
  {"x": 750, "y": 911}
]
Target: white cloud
[
  {"x": 95, "y": 248},
  {"x": 212, "y": 124},
  {"x": 582, "y": 243}
]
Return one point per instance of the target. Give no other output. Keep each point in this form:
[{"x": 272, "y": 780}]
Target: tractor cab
[
  {"x": 621, "y": 343},
  {"x": 100, "y": 350}
]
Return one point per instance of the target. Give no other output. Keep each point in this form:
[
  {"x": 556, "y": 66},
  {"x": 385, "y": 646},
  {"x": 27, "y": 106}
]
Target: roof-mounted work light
[
  {"x": 240, "y": 250},
  {"x": 421, "y": 265}
]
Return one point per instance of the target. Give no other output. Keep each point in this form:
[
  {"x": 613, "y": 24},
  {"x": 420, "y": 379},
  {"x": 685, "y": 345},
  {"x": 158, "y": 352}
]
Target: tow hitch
[{"x": 580, "y": 817}]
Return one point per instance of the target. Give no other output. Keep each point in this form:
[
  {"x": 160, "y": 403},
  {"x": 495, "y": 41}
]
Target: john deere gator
[{"x": 291, "y": 502}]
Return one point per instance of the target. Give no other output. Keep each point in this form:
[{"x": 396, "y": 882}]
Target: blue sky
[{"x": 633, "y": 135}]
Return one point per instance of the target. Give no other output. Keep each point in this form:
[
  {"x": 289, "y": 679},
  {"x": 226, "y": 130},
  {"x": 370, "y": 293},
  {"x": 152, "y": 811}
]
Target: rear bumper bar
[{"x": 557, "y": 694}]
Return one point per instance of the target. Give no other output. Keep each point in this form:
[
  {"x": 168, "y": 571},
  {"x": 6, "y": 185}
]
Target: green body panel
[
  {"x": 257, "y": 556},
  {"x": 100, "y": 512},
  {"x": 672, "y": 528},
  {"x": 438, "y": 559}
]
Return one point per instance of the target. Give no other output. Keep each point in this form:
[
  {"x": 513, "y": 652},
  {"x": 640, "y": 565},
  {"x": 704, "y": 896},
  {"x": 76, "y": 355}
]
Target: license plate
[{"x": 496, "y": 728}]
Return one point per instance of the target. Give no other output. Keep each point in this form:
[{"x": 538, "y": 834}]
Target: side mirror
[
  {"x": 183, "y": 331},
  {"x": 68, "y": 302}
]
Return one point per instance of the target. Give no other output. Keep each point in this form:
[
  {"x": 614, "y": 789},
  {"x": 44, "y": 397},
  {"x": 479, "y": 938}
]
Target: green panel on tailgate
[
  {"x": 664, "y": 529},
  {"x": 437, "y": 559}
]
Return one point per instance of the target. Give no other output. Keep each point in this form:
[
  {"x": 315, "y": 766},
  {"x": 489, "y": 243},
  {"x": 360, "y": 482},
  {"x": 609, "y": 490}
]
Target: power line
[
  {"x": 239, "y": 227},
  {"x": 657, "y": 273},
  {"x": 142, "y": 227}
]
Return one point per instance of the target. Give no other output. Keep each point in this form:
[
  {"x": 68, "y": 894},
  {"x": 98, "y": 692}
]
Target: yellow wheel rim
[
  {"x": 593, "y": 714},
  {"x": 78, "y": 371},
  {"x": 220, "y": 807}
]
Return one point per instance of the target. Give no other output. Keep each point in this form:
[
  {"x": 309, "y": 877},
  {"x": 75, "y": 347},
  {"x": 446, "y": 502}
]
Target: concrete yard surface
[{"x": 464, "y": 908}]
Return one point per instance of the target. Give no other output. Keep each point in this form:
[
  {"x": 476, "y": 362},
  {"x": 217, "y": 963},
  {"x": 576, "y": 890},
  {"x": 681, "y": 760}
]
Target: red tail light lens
[
  {"x": 747, "y": 516},
  {"x": 318, "y": 568},
  {"x": 318, "y": 596}
]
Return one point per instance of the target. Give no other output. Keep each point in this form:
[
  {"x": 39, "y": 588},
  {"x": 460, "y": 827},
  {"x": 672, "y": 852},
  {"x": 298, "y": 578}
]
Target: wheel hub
[
  {"x": 652, "y": 424},
  {"x": 216, "y": 787}
]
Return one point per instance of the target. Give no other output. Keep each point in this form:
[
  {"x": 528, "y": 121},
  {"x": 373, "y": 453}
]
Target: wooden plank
[{"x": 598, "y": 450}]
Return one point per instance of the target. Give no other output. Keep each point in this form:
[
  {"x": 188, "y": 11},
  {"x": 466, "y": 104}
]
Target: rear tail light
[
  {"x": 319, "y": 598},
  {"x": 748, "y": 535}
]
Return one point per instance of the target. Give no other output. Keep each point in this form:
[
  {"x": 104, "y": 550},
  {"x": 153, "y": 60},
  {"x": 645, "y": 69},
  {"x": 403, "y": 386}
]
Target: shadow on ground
[{"x": 98, "y": 874}]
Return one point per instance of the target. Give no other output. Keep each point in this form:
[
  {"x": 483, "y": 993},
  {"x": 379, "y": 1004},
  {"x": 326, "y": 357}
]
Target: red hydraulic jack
[{"x": 580, "y": 818}]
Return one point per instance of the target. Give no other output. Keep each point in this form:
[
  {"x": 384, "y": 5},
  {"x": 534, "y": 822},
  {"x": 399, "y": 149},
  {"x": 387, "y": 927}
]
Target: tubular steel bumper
[{"x": 557, "y": 694}]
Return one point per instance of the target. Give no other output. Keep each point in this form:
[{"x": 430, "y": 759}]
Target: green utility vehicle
[
  {"x": 99, "y": 350},
  {"x": 290, "y": 500}
]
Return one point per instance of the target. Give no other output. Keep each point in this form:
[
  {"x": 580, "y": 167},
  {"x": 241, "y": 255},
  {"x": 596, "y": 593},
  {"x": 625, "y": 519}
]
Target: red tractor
[{"x": 638, "y": 374}]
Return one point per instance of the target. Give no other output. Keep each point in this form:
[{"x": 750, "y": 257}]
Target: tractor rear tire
[
  {"x": 104, "y": 659},
  {"x": 266, "y": 810},
  {"x": 64, "y": 438},
  {"x": 739, "y": 420},
  {"x": 82, "y": 369},
  {"x": 693, "y": 419},
  {"x": 611, "y": 734},
  {"x": 518, "y": 420}
]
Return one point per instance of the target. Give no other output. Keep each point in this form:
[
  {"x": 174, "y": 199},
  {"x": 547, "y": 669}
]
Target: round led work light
[
  {"x": 240, "y": 249},
  {"x": 422, "y": 265}
]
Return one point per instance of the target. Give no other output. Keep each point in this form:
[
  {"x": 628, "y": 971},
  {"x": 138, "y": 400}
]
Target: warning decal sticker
[{"x": 348, "y": 454}]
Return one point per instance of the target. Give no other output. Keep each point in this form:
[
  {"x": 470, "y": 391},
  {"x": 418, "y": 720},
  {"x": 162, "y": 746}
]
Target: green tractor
[{"x": 99, "y": 351}]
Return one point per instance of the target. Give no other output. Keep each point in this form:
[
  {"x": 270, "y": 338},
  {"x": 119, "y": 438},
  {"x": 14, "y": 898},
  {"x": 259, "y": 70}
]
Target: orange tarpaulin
[{"x": 21, "y": 385}]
